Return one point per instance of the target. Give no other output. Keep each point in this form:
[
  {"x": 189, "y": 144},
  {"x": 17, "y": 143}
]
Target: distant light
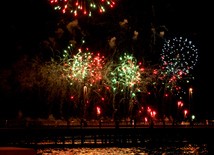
[
  {"x": 193, "y": 117},
  {"x": 98, "y": 111}
]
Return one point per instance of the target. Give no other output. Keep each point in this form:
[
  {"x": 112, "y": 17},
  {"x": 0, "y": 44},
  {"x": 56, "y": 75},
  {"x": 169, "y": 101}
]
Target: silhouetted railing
[
  {"x": 56, "y": 137},
  {"x": 55, "y": 134},
  {"x": 100, "y": 124}
]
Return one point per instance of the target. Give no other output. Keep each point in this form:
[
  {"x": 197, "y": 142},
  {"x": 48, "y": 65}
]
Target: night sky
[{"x": 30, "y": 22}]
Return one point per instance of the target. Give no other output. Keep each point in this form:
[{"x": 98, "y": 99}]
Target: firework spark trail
[
  {"x": 84, "y": 7},
  {"x": 179, "y": 56},
  {"x": 127, "y": 78},
  {"x": 85, "y": 74}
]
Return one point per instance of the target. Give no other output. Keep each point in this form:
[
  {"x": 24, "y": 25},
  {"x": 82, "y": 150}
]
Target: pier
[{"x": 105, "y": 136}]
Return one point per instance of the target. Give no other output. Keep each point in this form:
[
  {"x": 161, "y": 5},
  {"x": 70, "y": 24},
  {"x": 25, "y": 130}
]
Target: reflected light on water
[{"x": 187, "y": 149}]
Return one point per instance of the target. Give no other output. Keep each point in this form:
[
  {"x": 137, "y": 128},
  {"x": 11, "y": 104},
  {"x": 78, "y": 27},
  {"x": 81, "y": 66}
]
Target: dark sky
[
  {"x": 26, "y": 27},
  {"x": 27, "y": 23}
]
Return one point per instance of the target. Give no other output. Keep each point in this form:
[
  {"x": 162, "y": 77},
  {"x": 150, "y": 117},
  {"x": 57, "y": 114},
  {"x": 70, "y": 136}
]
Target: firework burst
[{"x": 85, "y": 7}]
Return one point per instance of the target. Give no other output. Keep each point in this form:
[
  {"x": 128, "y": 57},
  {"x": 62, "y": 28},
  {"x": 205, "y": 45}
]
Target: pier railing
[
  {"x": 60, "y": 134},
  {"x": 60, "y": 137},
  {"x": 96, "y": 123}
]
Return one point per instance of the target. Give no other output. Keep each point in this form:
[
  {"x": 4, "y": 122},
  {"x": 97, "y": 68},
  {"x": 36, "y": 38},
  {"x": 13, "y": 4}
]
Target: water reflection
[{"x": 186, "y": 149}]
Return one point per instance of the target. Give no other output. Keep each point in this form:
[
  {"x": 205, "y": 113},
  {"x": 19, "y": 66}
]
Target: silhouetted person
[
  {"x": 164, "y": 123},
  {"x": 135, "y": 122},
  {"x": 131, "y": 121},
  {"x": 100, "y": 124},
  {"x": 117, "y": 124},
  {"x": 151, "y": 124},
  {"x": 81, "y": 123},
  {"x": 68, "y": 123},
  {"x": 84, "y": 123}
]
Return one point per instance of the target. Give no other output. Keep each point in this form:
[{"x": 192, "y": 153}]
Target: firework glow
[{"x": 85, "y": 7}]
